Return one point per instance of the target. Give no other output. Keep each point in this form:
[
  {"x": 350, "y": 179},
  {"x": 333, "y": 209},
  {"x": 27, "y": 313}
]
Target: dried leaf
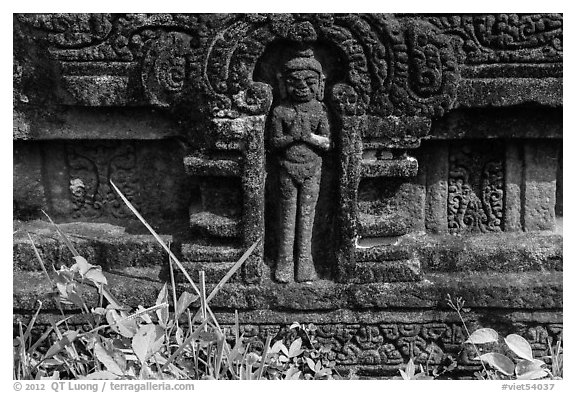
[
  {"x": 483, "y": 336},
  {"x": 520, "y": 346}
]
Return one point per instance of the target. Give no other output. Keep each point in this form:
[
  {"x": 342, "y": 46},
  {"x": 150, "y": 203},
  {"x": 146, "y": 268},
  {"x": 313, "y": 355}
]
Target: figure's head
[{"x": 302, "y": 77}]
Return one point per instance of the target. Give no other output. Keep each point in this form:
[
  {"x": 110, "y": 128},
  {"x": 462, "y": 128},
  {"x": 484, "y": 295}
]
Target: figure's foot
[
  {"x": 284, "y": 270},
  {"x": 306, "y": 271}
]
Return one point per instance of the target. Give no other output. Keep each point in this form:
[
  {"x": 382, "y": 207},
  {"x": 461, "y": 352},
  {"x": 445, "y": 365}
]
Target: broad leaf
[
  {"x": 125, "y": 327},
  {"x": 89, "y": 271},
  {"x": 107, "y": 359},
  {"x": 483, "y": 336},
  {"x": 499, "y": 362},
  {"x": 310, "y": 363},
  {"x": 147, "y": 341},
  {"x": 527, "y": 366},
  {"x": 534, "y": 374},
  {"x": 185, "y": 300},
  {"x": 279, "y": 346},
  {"x": 295, "y": 348},
  {"x": 520, "y": 346}
]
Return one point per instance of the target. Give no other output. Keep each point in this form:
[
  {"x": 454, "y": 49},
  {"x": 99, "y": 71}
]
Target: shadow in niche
[{"x": 325, "y": 232}]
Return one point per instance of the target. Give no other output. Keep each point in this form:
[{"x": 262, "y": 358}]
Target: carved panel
[
  {"x": 394, "y": 344},
  {"x": 91, "y": 166},
  {"x": 505, "y": 38},
  {"x": 476, "y": 188}
]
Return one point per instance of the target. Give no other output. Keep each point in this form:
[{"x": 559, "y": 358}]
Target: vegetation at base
[
  {"x": 153, "y": 342},
  {"x": 513, "y": 361}
]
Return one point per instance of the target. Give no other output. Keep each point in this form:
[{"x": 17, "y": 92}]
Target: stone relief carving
[
  {"x": 90, "y": 169},
  {"x": 505, "y": 38},
  {"x": 299, "y": 133},
  {"x": 393, "y": 344},
  {"x": 475, "y": 204}
]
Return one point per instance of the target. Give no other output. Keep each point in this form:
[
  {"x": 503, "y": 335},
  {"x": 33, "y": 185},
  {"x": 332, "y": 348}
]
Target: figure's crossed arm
[
  {"x": 277, "y": 138},
  {"x": 321, "y": 138}
]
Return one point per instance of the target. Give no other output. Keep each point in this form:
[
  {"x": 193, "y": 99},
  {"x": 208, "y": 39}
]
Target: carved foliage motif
[
  {"x": 505, "y": 37},
  {"x": 90, "y": 168},
  {"x": 475, "y": 190},
  {"x": 395, "y": 343},
  {"x": 429, "y": 73}
]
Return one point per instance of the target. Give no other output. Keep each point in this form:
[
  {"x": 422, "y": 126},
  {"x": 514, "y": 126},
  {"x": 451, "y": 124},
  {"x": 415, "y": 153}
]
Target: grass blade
[
  {"x": 66, "y": 240},
  {"x": 264, "y": 354},
  {"x": 40, "y": 260},
  {"x": 156, "y": 236}
]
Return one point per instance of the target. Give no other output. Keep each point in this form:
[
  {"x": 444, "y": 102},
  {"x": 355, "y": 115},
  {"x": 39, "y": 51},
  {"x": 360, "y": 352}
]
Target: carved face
[{"x": 302, "y": 85}]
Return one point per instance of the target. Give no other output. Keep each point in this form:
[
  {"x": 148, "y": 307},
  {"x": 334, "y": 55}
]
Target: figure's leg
[
  {"x": 285, "y": 262},
  {"x": 307, "y": 198}
]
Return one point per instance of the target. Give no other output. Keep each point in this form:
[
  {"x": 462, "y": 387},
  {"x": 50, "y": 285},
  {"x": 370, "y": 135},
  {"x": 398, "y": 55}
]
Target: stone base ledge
[
  {"x": 140, "y": 286},
  {"x": 112, "y": 247}
]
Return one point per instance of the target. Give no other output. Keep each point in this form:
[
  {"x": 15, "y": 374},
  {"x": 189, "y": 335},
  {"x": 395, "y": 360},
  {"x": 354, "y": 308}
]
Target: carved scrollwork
[
  {"x": 427, "y": 74},
  {"x": 505, "y": 38},
  {"x": 70, "y": 31},
  {"x": 345, "y": 100},
  {"x": 475, "y": 204},
  {"x": 164, "y": 69},
  {"x": 255, "y": 100}
]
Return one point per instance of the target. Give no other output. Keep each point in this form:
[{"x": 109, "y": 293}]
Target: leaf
[
  {"x": 125, "y": 327},
  {"x": 483, "y": 336},
  {"x": 310, "y": 363},
  {"x": 404, "y": 375},
  {"x": 147, "y": 341},
  {"x": 499, "y": 362},
  {"x": 185, "y": 300},
  {"x": 295, "y": 325},
  {"x": 162, "y": 312},
  {"x": 100, "y": 375},
  {"x": 277, "y": 347},
  {"x": 295, "y": 348},
  {"x": 89, "y": 271},
  {"x": 67, "y": 339},
  {"x": 527, "y": 366},
  {"x": 410, "y": 369},
  {"x": 520, "y": 346},
  {"x": 107, "y": 359},
  {"x": 534, "y": 374}
]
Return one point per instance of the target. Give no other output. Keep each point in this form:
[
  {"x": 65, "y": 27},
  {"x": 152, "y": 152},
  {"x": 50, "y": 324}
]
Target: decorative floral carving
[
  {"x": 475, "y": 204},
  {"x": 505, "y": 38},
  {"x": 90, "y": 168},
  {"x": 394, "y": 344}
]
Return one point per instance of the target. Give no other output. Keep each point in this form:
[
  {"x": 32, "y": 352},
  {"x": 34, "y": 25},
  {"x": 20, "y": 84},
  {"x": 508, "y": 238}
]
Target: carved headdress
[{"x": 302, "y": 60}]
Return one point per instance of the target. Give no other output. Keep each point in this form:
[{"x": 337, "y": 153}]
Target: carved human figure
[{"x": 299, "y": 134}]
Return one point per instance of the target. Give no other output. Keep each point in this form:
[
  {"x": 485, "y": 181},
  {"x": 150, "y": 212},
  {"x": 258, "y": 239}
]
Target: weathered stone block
[
  {"x": 29, "y": 193},
  {"x": 541, "y": 160}
]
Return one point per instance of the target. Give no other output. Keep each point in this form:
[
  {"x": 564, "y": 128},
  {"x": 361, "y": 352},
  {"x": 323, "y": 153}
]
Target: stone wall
[{"x": 441, "y": 173}]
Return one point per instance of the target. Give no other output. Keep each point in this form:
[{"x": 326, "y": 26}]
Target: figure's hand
[{"x": 320, "y": 141}]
